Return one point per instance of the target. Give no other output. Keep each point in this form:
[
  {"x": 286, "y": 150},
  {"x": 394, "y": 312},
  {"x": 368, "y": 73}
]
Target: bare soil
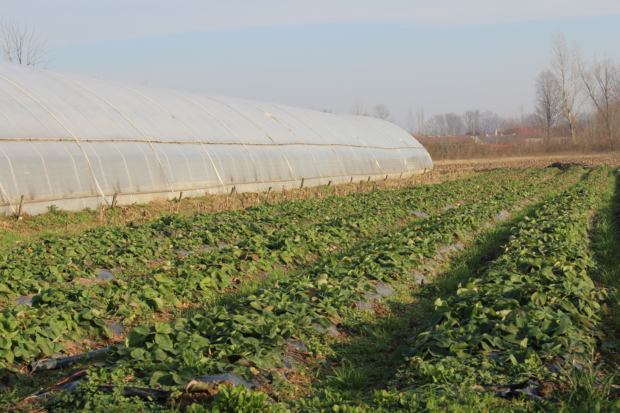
[{"x": 450, "y": 166}]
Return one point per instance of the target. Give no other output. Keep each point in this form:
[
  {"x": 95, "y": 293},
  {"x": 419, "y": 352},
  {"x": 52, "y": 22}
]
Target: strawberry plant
[
  {"x": 82, "y": 310},
  {"x": 224, "y": 295},
  {"x": 531, "y": 315},
  {"x": 247, "y": 335}
]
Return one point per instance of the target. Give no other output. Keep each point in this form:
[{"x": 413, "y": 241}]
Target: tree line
[
  {"x": 577, "y": 103},
  {"x": 579, "y": 99}
]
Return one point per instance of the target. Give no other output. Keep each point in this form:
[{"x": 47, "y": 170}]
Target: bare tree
[
  {"x": 410, "y": 122},
  {"x": 359, "y": 110},
  {"x": 420, "y": 121},
  {"x": 548, "y": 100},
  {"x": 564, "y": 67},
  {"x": 436, "y": 125},
  {"x": 490, "y": 122},
  {"x": 601, "y": 82},
  {"x": 20, "y": 44},
  {"x": 531, "y": 120},
  {"x": 416, "y": 121},
  {"x": 381, "y": 112},
  {"x": 455, "y": 124},
  {"x": 472, "y": 121}
]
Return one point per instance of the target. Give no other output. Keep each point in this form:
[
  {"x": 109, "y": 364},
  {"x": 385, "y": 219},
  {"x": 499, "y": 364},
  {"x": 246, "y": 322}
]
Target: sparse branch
[
  {"x": 565, "y": 71},
  {"x": 600, "y": 81},
  {"x": 20, "y": 44},
  {"x": 472, "y": 122},
  {"x": 548, "y": 100}
]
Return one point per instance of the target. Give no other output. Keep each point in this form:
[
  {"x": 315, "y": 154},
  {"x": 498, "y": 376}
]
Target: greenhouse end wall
[{"x": 77, "y": 143}]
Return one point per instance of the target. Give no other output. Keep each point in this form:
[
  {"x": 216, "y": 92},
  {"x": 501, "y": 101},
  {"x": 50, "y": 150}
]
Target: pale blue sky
[{"x": 443, "y": 55}]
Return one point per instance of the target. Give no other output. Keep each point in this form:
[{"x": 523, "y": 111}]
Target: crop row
[
  {"x": 247, "y": 335},
  {"x": 78, "y": 310},
  {"x": 167, "y": 242},
  {"x": 531, "y": 314}
]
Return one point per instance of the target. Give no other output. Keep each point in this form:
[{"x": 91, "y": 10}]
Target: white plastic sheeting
[{"x": 77, "y": 142}]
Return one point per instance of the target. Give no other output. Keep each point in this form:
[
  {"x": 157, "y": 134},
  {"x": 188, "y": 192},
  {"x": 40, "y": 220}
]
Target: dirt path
[{"x": 612, "y": 158}]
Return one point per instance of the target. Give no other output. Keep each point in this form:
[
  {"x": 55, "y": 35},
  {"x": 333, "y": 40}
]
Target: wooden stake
[
  {"x": 114, "y": 200},
  {"x": 102, "y": 215},
  {"x": 21, "y": 206}
]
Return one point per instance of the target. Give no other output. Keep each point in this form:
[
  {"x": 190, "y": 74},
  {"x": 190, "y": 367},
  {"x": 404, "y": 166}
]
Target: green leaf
[{"x": 164, "y": 341}]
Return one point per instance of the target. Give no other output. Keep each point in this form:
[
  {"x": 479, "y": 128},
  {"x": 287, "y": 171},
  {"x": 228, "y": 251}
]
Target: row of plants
[
  {"x": 247, "y": 335},
  {"x": 62, "y": 316},
  {"x": 535, "y": 304},
  {"x": 521, "y": 334},
  {"x": 139, "y": 249}
]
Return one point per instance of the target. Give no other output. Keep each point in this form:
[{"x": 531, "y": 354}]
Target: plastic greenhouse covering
[{"x": 78, "y": 142}]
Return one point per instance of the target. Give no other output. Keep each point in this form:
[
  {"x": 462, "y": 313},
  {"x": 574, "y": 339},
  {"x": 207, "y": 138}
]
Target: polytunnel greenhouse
[{"x": 77, "y": 142}]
